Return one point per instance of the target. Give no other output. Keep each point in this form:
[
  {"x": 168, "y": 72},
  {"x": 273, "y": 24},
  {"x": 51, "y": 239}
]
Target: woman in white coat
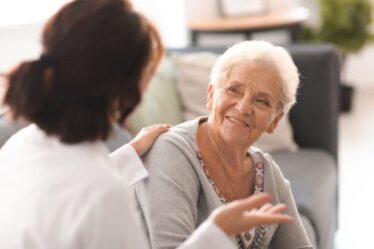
[{"x": 59, "y": 187}]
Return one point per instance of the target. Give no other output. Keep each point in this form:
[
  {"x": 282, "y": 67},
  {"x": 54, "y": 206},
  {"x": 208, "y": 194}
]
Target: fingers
[
  {"x": 157, "y": 127},
  {"x": 266, "y": 212},
  {"x": 269, "y": 208},
  {"x": 277, "y": 208},
  {"x": 265, "y": 208},
  {"x": 244, "y": 214},
  {"x": 164, "y": 126},
  {"x": 267, "y": 218},
  {"x": 146, "y": 137},
  {"x": 269, "y": 214},
  {"x": 251, "y": 202},
  {"x": 156, "y": 130}
]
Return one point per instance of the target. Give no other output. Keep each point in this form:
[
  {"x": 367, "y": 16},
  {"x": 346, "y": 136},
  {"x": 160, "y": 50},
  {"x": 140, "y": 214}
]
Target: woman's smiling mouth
[{"x": 238, "y": 121}]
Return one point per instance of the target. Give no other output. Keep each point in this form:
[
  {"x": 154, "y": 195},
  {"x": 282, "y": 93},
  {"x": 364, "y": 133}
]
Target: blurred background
[{"x": 333, "y": 21}]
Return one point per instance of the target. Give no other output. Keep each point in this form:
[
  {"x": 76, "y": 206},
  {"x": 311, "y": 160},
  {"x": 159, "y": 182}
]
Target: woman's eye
[
  {"x": 234, "y": 90},
  {"x": 263, "y": 102}
]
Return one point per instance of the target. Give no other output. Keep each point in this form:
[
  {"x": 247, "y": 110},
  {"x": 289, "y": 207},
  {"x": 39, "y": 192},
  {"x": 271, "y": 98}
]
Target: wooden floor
[{"x": 356, "y": 155}]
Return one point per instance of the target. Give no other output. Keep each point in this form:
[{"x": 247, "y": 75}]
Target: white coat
[{"x": 54, "y": 195}]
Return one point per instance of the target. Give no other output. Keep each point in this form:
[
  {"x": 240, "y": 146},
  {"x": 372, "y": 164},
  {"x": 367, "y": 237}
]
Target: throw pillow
[
  {"x": 160, "y": 103},
  {"x": 193, "y": 71}
]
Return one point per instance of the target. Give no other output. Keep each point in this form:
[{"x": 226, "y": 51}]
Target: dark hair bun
[{"x": 95, "y": 56}]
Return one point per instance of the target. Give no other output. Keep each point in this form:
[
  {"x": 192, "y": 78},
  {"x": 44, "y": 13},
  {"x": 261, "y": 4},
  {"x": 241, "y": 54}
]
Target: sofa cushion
[
  {"x": 193, "y": 72},
  {"x": 160, "y": 103},
  {"x": 314, "y": 173}
]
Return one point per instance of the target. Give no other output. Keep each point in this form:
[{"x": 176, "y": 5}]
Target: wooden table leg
[{"x": 194, "y": 37}]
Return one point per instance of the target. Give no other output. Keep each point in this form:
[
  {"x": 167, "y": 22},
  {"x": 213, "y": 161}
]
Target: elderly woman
[{"x": 208, "y": 162}]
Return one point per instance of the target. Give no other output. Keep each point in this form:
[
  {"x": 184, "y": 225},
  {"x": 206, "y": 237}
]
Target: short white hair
[{"x": 263, "y": 53}]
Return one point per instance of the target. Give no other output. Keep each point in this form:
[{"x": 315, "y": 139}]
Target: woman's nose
[{"x": 244, "y": 106}]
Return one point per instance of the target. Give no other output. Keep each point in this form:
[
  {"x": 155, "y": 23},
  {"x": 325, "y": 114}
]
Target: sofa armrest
[{"x": 315, "y": 116}]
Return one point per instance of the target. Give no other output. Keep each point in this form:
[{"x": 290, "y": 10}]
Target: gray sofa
[{"x": 313, "y": 170}]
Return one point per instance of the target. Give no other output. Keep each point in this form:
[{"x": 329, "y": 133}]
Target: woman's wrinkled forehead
[{"x": 247, "y": 72}]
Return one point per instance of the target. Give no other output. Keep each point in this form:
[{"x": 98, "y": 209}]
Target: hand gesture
[
  {"x": 147, "y": 136},
  {"x": 242, "y": 215}
]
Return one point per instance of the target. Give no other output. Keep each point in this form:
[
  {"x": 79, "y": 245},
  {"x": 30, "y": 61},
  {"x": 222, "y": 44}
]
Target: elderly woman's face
[{"x": 246, "y": 104}]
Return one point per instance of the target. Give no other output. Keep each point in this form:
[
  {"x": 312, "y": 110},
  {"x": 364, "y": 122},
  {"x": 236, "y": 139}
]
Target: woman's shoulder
[
  {"x": 23, "y": 135},
  {"x": 181, "y": 136},
  {"x": 259, "y": 155},
  {"x": 174, "y": 152},
  {"x": 21, "y": 144}
]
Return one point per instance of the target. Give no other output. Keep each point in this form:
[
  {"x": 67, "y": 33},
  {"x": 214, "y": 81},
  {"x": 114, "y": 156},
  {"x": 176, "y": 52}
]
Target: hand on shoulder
[{"x": 147, "y": 136}]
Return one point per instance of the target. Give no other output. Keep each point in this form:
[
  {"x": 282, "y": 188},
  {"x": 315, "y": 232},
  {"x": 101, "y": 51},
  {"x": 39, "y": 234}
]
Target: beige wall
[{"x": 170, "y": 20}]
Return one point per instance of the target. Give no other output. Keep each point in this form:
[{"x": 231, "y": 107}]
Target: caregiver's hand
[{"x": 147, "y": 136}]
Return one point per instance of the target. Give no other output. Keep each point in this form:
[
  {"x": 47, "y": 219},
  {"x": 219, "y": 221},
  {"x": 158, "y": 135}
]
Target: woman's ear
[
  {"x": 209, "y": 103},
  {"x": 274, "y": 123}
]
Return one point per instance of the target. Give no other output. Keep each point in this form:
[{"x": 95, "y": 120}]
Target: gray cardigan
[{"x": 177, "y": 196}]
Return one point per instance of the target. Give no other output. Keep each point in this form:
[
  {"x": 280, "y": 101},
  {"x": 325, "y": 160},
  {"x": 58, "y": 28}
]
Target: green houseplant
[{"x": 345, "y": 23}]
